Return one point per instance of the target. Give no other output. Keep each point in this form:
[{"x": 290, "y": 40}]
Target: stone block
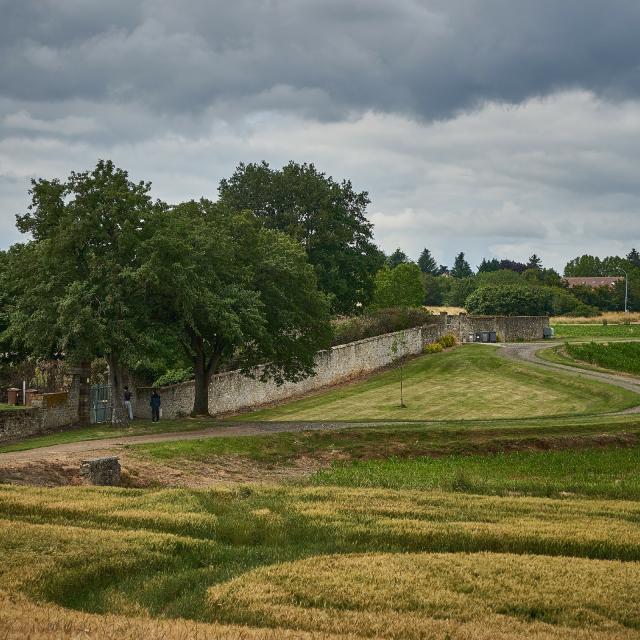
[{"x": 101, "y": 471}]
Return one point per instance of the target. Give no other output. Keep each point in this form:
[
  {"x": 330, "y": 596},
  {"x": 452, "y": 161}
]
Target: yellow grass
[
  {"x": 452, "y": 311},
  {"x": 22, "y": 619},
  {"x": 432, "y": 595},
  {"x": 613, "y": 317},
  {"x": 291, "y": 561}
]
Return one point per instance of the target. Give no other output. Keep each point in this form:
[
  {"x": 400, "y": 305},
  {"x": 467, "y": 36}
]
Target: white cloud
[{"x": 554, "y": 176}]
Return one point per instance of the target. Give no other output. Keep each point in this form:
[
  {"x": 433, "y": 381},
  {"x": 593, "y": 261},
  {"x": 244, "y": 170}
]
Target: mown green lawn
[
  {"x": 469, "y": 382},
  {"x": 10, "y": 407}
]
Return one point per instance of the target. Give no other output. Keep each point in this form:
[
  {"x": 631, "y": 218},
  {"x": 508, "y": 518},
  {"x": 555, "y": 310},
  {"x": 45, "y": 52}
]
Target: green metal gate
[{"x": 100, "y": 403}]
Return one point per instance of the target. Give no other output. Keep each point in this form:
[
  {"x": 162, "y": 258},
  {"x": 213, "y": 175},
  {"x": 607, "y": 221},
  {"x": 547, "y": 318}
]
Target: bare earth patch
[{"x": 142, "y": 472}]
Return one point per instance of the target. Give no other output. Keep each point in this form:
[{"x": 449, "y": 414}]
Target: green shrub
[
  {"x": 510, "y": 300},
  {"x": 433, "y": 347},
  {"x": 378, "y": 323},
  {"x": 584, "y": 311},
  {"x": 173, "y": 376},
  {"x": 448, "y": 340}
]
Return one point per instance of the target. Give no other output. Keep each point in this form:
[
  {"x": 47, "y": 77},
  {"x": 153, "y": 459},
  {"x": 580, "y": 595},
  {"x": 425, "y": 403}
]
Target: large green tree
[
  {"x": 75, "y": 285},
  {"x": 461, "y": 268},
  {"x": 399, "y": 287},
  {"x": 427, "y": 263},
  {"x": 396, "y": 258},
  {"x": 489, "y": 265},
  {"x": 234, "y": 292},
  {"x": 325, "y": 216}
]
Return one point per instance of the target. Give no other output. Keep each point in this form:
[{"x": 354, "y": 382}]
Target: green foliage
[
  {"x": 398, "y": 287},
  {"x": 173, "y": 376},
  {"x": 427, "y": 263},
  {"x": 459, "y": 290},
  {"x": 448, "y": 340},
  {"x": 436, "y": 289},
  {"x": 461, "y": 268},
  {"x": 378, "y": 322},
  {"x": 74, "y": 287},
  {"x": 534, "y": 262},
  {"x": 231, "y": 289},
  {"x": 434, "y": 347},
  {"x": 619, "y": 356},
  {"x": 634, "y": 258},
  {"x": 325, "y": 216},
  {"x": 564, "y": 302},
  {"x": 499, "y": 276},
  {"x": 583, "y": 311},
  {"x": 487, "y": 266},
  {"x": 510, "y": 300},
  {"x": 396, "y": 258}
]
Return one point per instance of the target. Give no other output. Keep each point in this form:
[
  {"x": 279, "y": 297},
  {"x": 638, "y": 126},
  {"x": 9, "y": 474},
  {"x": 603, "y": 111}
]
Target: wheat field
[{"x": 261, "y": 561}]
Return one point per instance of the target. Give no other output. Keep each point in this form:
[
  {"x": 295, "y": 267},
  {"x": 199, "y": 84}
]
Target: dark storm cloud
[{"x": 325, "y": 59}]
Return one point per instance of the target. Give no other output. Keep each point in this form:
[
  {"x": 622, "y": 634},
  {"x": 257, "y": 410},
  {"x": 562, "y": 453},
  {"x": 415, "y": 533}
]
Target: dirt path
[
  {"x": 90, "y": 448},
  {"x": 527, "y": 352}
]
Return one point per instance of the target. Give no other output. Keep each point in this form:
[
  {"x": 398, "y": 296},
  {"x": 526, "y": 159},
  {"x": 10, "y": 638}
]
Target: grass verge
[
  {"x": 470, "y": 382},
  {"x": 597, "y": 472},
  {"x": 102, "y": 431},
  {"x": 597, "y": 330},
  {"x": 402, "y": 441}
]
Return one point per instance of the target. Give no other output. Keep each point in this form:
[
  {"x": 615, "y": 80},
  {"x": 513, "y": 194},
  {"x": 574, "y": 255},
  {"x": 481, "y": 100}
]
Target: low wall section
[
  {"x": 508, "y": 328},
  {"x": 48, "y": 412}
]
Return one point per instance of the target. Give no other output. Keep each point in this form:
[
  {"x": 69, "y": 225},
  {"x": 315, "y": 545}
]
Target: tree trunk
[
  {"x": 204, "y": 365},
  {"x": 201, "y": 399},
  {"x": 119, "y": 416}
]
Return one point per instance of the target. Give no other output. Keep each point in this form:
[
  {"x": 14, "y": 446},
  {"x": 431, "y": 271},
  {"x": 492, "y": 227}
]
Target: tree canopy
[
  {"x": 427, "y": 263},
  {"x": 396, "y": 258},
  {"x": 489, "y": 265},
  {"x": 233, "y": 291},
  {"x": 510, "y": 300},
  {"x": 461, "y": 268},
  {"x": 78, "y": 291},
  {"x": 326, "y": 217},
  {"x": 399, "y": 287}
]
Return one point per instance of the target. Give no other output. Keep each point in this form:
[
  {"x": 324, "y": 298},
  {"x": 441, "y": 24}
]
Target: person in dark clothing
[{"x": 155, "y": 406}]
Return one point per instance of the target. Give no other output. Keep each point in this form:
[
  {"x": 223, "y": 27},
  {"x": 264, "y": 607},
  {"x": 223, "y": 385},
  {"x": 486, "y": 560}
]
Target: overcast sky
[{"x": 495, "y": 127}]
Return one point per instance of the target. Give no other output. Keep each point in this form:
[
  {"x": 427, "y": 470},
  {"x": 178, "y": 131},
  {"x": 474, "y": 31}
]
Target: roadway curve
[{"x": 527, "y": 352}]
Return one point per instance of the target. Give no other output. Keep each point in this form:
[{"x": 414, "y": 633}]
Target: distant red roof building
[{"x": 593, "y": 282}]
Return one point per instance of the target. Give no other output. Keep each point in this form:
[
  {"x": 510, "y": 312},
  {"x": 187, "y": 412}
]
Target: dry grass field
[
  {"x": 319, "y": 560},
  {"x": 453, "y": 311},
  {"x": 613, "y": 317}
]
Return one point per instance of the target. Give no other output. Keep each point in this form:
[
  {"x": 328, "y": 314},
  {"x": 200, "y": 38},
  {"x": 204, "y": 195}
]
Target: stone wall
[
  {"x": 48, "y": 412},
  {"x": 19, "y": 423},
  {"x": 508, "y": 328},
  {"x": 232, "y": 391}
]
